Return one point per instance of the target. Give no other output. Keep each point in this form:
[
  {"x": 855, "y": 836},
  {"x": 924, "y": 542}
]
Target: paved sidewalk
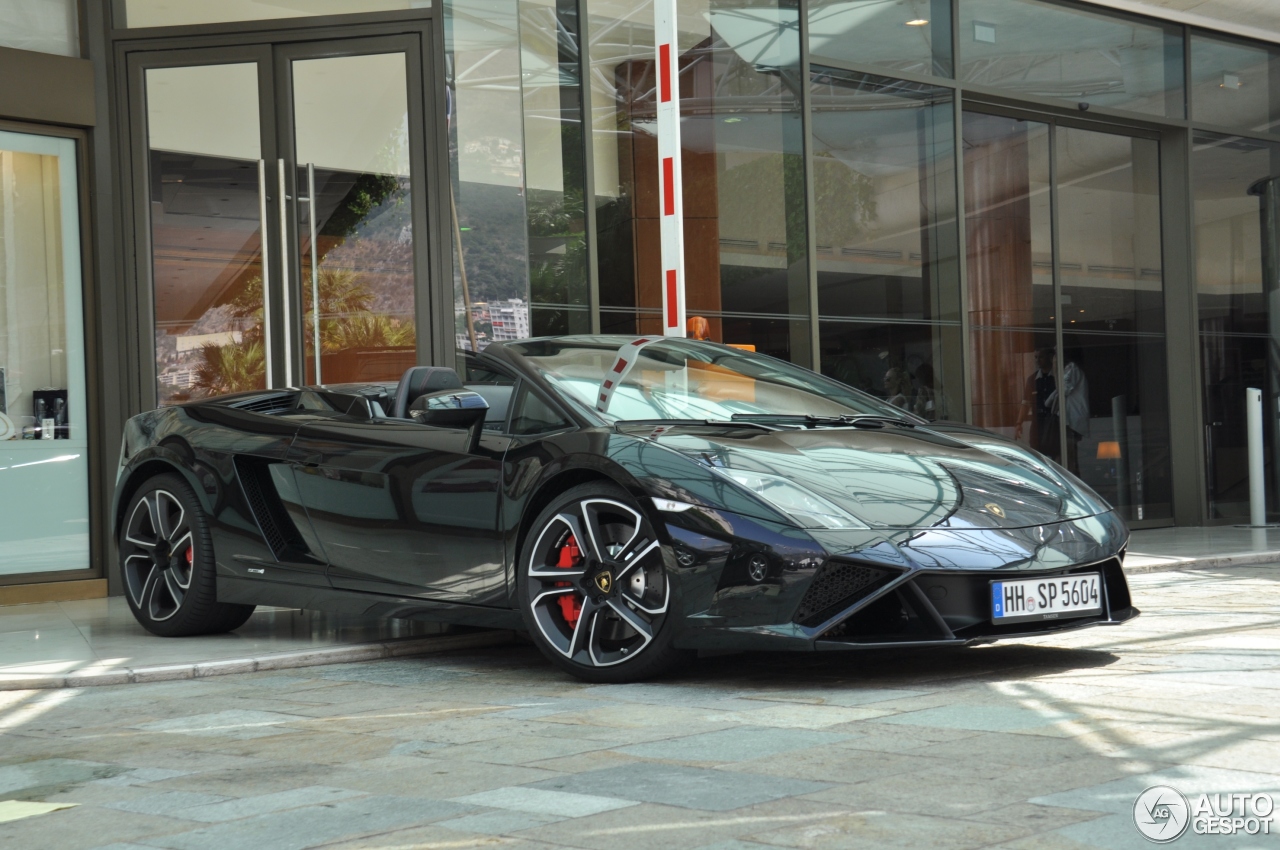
[
  {"x": 97, "y": 642},
  {"x": 1152, "y": 550},
  {"x": 1037, "y": 745}
]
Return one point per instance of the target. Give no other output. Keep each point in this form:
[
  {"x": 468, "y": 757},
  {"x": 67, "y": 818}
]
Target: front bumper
[{"x": 855, "y": 592}]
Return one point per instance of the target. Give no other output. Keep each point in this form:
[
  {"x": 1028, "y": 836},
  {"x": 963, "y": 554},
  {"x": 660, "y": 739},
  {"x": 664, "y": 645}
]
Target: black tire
[
  {"x": 595, "y": 589},
  {"x": 166, "y": 560}
]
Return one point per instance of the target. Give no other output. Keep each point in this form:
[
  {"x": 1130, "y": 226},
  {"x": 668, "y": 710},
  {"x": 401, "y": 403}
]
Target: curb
[
  {"x": 1211, "y": 562},
  {"x": 272, "y": 661}
]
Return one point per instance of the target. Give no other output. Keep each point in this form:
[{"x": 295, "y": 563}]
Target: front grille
[{"x": 837, "y": 586}]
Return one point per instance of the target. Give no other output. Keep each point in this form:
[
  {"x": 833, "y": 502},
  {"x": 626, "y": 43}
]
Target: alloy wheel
[
  {"x": 158, "y": 555},
  {"x": 597, "y": 586}
]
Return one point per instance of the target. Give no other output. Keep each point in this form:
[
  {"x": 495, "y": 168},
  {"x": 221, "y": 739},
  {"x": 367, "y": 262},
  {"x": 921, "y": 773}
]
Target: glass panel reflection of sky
[{"x": 1044, "y": 50}]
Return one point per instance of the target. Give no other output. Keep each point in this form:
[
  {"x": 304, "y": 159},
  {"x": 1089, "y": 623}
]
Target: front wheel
[
  {"x": 166, "y": 556},
  {"x": 594, "y": 588}
]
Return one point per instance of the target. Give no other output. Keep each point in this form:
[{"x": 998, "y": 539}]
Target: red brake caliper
[{"x": 570, "y": 603}]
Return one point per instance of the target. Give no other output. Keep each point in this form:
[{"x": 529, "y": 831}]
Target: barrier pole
[
  {"x": 670, "y": 175},
  {"x": 1257, "y": 466}
]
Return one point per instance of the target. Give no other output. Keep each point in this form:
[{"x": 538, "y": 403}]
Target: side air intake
[
  {"x": 273, "y": 520},
  {"x": 838, "y": 585}
]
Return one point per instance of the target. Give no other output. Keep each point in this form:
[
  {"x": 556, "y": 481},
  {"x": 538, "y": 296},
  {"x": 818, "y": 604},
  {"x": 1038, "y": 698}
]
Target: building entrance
[
  {"x": 282, "y": 209},
  {"x": 1066, "y": 301}
]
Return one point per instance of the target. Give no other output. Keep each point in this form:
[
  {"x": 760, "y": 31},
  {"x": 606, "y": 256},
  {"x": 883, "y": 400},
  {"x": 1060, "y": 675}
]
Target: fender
[{"x": 145, "y": 464}]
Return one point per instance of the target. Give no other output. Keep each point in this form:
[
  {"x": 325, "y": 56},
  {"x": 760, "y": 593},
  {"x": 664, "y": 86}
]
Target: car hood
[{"x": 898, "y": 477}]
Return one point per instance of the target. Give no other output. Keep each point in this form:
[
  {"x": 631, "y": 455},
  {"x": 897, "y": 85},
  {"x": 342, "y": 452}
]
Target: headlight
[{"x": 809, "y": 510}]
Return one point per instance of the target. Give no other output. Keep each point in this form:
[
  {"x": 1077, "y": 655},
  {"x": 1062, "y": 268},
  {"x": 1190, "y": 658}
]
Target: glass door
[
  {"x": 351, "y": 159},
  {"x": 284, "y": 217},
  {"x": 208, "y": 177},
  {"x": 1066, "y": 301}
]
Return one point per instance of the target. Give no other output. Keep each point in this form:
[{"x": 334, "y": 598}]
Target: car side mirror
[{"x": 454, "y": 409}]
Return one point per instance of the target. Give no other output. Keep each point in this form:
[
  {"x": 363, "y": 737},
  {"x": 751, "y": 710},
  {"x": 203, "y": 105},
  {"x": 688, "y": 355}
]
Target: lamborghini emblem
[
  {"x": 995, "y": 509},
  {"x": 604, "y": 581}
]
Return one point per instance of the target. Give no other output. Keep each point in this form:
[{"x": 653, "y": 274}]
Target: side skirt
[{"x": 259, "y": 592}]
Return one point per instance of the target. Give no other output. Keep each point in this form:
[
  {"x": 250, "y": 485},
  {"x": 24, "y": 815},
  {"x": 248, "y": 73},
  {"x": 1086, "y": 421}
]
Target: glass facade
[
  {"x": 746, "y": 245},
  {"x": 44, "y": 441},
  {"x": 1074, "y": 54},
  {"x": 1235, "y": 84},
  {"x": 1236, "y": 275},
  {"x": 883, "y": 166},
  {"x": 957, "y": 206},
  {"x": 913, "y": 36},
  {"x": 822, "y": 199}
]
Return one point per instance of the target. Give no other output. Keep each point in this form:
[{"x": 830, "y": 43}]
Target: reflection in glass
[
  {"x": 745, "y": 245},
  {"x": 1112, "y": 368},
  {"x": 1238, "y": 325},
  {"x": 1098, "y": 402},
  {"x": 1010, "y": 266},
  {"x": 554, "y": 168},
  {"x": 206, "y": 230},
  {"x": 486, "y": 168},
  {"x": 1042, "y": 49},
  {"x": 883, "y": 168},
  {"x": 912, "y": 36},
  {"x": 1233, "y": 83},
  {"x": 912, "y": 366},
  {"x": 44, "y": 26},
  {"x": 352, "y": 128}
]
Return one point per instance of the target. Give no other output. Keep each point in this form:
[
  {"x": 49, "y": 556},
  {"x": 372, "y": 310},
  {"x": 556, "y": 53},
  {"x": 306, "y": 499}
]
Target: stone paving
[{"x": 1041, "y": 744}]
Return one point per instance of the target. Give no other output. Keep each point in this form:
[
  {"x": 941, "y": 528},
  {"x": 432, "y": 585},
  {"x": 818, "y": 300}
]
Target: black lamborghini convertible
[{"x": 625, "y": 501}]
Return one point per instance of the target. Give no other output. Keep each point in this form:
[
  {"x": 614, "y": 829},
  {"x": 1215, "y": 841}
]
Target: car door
[{"x": 404, "y": 508}]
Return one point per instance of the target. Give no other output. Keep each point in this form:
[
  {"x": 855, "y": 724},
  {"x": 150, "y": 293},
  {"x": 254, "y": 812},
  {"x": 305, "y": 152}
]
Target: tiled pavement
[{"x": 1042, "y": 744}]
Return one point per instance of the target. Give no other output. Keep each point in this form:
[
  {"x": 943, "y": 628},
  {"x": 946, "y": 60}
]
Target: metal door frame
[{"x": 272, "y": 49}]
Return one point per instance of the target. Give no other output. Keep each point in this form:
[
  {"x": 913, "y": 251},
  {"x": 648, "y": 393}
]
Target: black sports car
[{"x": 623, "y": 500}]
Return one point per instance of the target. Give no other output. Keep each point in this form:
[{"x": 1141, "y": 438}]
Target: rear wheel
[
  {"x": 594, "y": 587},
  {"x": 166, "y": 558}
]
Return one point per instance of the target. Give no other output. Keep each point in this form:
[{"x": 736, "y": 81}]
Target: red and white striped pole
[{"x": 669, "y": 171}]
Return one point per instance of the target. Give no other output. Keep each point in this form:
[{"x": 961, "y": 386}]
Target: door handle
[
  {"x": 284, "y": 277},
  {"x": 313, "y": 461},
  {"x": 266, "y": 270},
  {"x": 315, "y": 266}
]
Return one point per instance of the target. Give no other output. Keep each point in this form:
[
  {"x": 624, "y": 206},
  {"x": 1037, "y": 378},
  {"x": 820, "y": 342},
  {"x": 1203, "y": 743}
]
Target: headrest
[{"x": 419, "y": 381}]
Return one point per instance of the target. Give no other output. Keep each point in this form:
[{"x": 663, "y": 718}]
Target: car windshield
[{"x": 625, "y": 379}]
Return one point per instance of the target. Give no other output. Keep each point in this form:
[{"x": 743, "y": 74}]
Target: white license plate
[{"x": 1046, "y": 598}]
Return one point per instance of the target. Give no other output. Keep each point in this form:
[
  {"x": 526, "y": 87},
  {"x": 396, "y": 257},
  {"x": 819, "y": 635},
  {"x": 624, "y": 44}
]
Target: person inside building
[
  {"x": 1040, "y": 387},
  {"x": 1073, "y": 404}
]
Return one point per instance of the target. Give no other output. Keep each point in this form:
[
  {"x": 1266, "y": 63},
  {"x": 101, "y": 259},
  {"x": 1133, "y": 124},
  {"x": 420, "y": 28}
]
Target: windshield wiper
[
  {"x": 712, "y": 423},
  {"x": 859, "y": 420}
]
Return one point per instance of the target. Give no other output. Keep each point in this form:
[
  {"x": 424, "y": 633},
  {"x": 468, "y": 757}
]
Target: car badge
[
  {"x": 995, "y": 509},
  {"x": 604, "y": 581}
]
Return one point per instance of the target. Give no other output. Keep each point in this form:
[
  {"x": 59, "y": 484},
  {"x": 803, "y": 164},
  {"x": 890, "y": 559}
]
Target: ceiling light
[
  {"x": 984, "y": 32},
  {"x": 918, "y": 22}
]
